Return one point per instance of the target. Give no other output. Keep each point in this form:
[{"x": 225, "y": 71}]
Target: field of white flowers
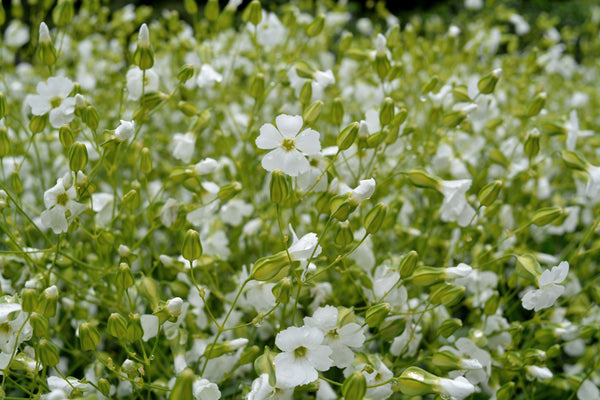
[{"x": 298, "y": 202}]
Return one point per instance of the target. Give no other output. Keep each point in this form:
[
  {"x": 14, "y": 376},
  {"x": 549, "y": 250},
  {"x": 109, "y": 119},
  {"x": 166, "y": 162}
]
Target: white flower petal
[
  {"x": 150, "y": 324},
  {"x": 308, "y": 142},
  {"x": 269, "y": 137},
  {"x": 55, "y": 218},
  {"x": 289, "y": 125}
]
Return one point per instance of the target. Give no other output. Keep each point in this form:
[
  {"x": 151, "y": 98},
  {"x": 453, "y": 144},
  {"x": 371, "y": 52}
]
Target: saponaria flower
[
  {"x": 549, "y": 290},
  {"x": 53, "y": 98},
  {"x": 61, "y": 208},
  {"x": 289, "y": 146}
]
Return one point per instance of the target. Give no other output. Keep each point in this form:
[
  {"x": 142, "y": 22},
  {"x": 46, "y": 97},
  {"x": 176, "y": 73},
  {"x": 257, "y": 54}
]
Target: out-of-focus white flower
[
  {"x": 455, "y": 206},
  {"x": 548, "y": 291},
  {"x": 364, "y": 190},
  {"x": 58, "y": 201},
  {"x": 521, "y": 26},
  {"x": 270, "y": 31},
  {"x": 588, "y": 391},
  {"x": 184, "y": 146},
  {"x": 125, "y": 130},
  {"x": 234, "y": 211},
  {"x": 52, "y": 98},
  {"x": 474, "y": 4},
  {"x": 288, "y": 145},
  {"x": 203, "y": 389},
  {"x": 206, "y": 166},
  {"x": 303, "y": 354},
  {"x": 320, "y": 81},
  {"x": 137, "y": 82},
  {"x": 262, "y": 390},
  {"x": 207, "y": 77},
  {"x": 573, "y": 131},
  {"x": 539, "y": 373},
  {"x": 460, "y": 271},
  {"x": 168, "y": 212},
  {"x": 454, "y": 389},
  {"x": 16, "y": 34}
]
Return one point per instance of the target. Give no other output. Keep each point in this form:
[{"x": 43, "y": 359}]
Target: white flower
[
  {"x": 59, "y": 202},
  {"x": 303, "y": 249},
  {"x": 539, "y": 373},
  {"x": 52, "y": 97},
  {"x": 455, "y": 389},
  {"x": 234, "y": 212},
  {"x": 262, "y": 390},
  {"x": 184, "y": 146},
  {"x": 270, "y": 31},
  {"x": 593, "y": 184},
  {"x": 460, "y": 271},
  {"x": 150, "y": 325},
  {"x": 208, "y": 77},
  {"x": 455, "y": 206},
  {"x": 206, "y": 166},
  {"x": 125, "y": 130},
  {"x": 548, "y": 291},
  {"x": 339, "y": 339},
  {"x": 588, "y": 391},
  {"x": 321, "y": 79},
  {"x": 44, "y": 35},
  {"x": 205, "y": 390},
  {"x": 137, "y": 82},
  {"x": 364, "y": 190},
  {"x": 474, "y": 4},
  {"x": 15, "y": 330},
  {"x": 303, "y": 354},
  {"x": 168, "y": 213},
  {"x": 573, "y": 131},
  {"x": 16, "y": 34},
  {"x": 376, "y": 390},
  {"x": 289, "y": 145},
  {"x": 521, "y": 26}
]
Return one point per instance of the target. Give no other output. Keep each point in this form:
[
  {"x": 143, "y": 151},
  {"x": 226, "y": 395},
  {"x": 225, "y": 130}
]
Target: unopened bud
[
  {"x": 491, "y": 305},
  {"x": 134, "y": 330},
  {"x": 415, "y": 382},
  {"x": 506, "y": 391},
  {"x": 430, "y": 85},
  {"x": 186, "y": 71},
  {"x": 257, "y": 86},
  {"x": 279, "y": 187},
  {"x": 184, "y": 386},
  {"x": 427, "y": 276},
  {"x": 487, "y": 84},
  {"x": 346, "y": 41},
  {"x": 78, "y": 156},
  {"x": 422, "y": 179},
  {"x": 408, "y": 264},
  {"x": 63, "y": 13},
  {"x": 91, "y": 117},
  {"x": 337, "y": 111},
  {"x": 381, "y": 64},
  {"x": 4, "y": 142},
  {"x": 249, "y": 354},
  {"x": 3, "y": 106},
  {"x": 265, "y": 364},
  {"x": 148, "y": 289},
  {"x": 574, "y": 160},
  {"x": 343, "y": 235},
  {"x": 65, "y": 135},
  {"x": 271, "y": 267},
  {"x": 341, "y": 206},
  {"x": 104, "y": 386},
  {"x": 377, "y": 314},
  {"x": 38, "y": 123},
  {"x": 528, "y": 266},
  {"x": 143, "y": 55},
  {"x": 489, "y": 193},
  {"x": 188, "y": 109},
  {"x": 211, "y": 10},
  {"x": 544, "y": 216},
  {"x": 89, "y": 337},
  {"x": 39, "y": 324},
  {"x": 190, "y": 7},
  {"x": 322, "y": 203},
  {"x": 312, "y": 112},
  {"x": 282, "y": 290},
  {"x": 355, "y": 386},
  {"x": 29, "y": 300},
  {"x": 449, "y": 326},
  {"x": 228, "y": 191},
  {"x": 15, "y": 183},
  {"x": 347, "y": 136},
  {"x": 146, "y": 161},
  {"x": 386, "y": 113},
  {"x": 125, "y": 277},
  {"x": 117, "y": 325},
  {"x": 48, "y": 353},
  {"x": 315, "y": 27},
  {"x": 306, "y": 92},
  {"x": 253, "y": 13},
  {"x": 48, "y": 302},
  {"x": 532, "y": 143},
  {"x": 461, "y": 94},
  {"x": 191, "y": 249},
  {"x": 374, "y": 218},
  {"x": 202, "y": 122},
  {"x": 535, "y": 106},
  {"x": 46, "y": 51}
]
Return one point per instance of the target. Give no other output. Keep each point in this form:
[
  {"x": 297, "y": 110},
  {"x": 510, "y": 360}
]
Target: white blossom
[{"x": 549, "y": 290}]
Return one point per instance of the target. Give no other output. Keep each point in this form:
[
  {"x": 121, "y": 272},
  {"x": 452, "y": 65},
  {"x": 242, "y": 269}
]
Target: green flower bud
[
  {"x": 65, "y": 135},
  {"x": 89, "y": 337},
  {"x": 386, "y": 113},
  {"x": 279, "y": 187},
  {"x": 191, "y": 249},
  {"x": 381, "y": 65},
  {"x": 117, "y": 325},
  {"x": 491, "y": 305},
  {"x": 544, "y": 216},
  {"x": 376, "y": 314},
  {"x": 312, "y": 112},
  {"x": 453, "y": 119},
  {"x": 4, "y": 142},
  {"x": 249, "y": 354},
  {"x": 427, "y": 276},
  {"x": 461, "y": 94},
  {"x": 257, "y": 86},
  {"x": 46, "y": 51},
  {"x": 391, "y": 328},
  {"x": 337, "y": 111},
  {"x": 188, "y": 109},
  {"x": 39, "y": 324},
  {"x": 343, "y": 235},
  {"x": 48, "y": 302},
  {"x": 394, "y": 38},
  {"x": 271, "y": 267},
  {"x": 535, "y": 106},
  {"x": 304, "y": 69},
  {"x": 131, "y": 200},
  {"x": 38, "y": 123},
  {"x": 253, "y": 13},
  {"x": 449, "y": 326},
  {"x": 431, "y": 85},
  {"x": 190, "y": 7},
  {"x": 346, "y": 41},
  {"x": 374, "y": 218},
  {"x": 186, "y": 71},
  {"x": 355, "y": 386},
  {"x": 48, "y": 353},
  {"x": 104, "y": 386},
  {"x": 528, "y": 266},
  {"x": 282, "y": 290},
  {"x": 342, "y": 206},
  {"x": 134, "y": 329},
  {"x": 143, "y": 56},
  {"x": 316, "y": 27},
  {"x": 415, "y": 382},
  {"x": 15, "y": 182},
  {"x": 408, "y": 264},
  {"x": 202, "y": 122},
  {"x": 506, "y": 391},
  {"x": 489, "y": 193},
  {"x": 553, "y": 351},
  {"x": 487, "y": 84},
  {"x": 29, "y": 300},
  {"x": 306, "y": 92},
  {"x": 420, "y": 178},
  {"x": 148, "y": 289},
  {"x": 211, "y": 10},
  {"x": 322, "y": 203},
  {"x": 184, "y": 386},
  {"x": 125, "y": 277},
  {"x": 376, "y": 138},
  {"x": 146, "y": 161},
  {"x": 228, "y": 191},
  {"x": 347, "y": 136},
  {"x": 446, "y": 360},
  {"x": 63, "y": 13},
  {"x": 91, "y": 117},
  {"x": 78, "y": 156},
  {"x": 574, "y": 160},
  {"x": 532, "y": 143},
  {"x": 3, "y": 106},
  {"x": 264, "y": 364}
]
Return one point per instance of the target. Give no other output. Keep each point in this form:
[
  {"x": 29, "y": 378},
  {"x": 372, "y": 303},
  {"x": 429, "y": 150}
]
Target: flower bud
[
  {"x": 63, "y": 13},
  {"x": 489, "y": 193},
  {"x": 312, "y": 112},
  {"x": 449, "y": 326},
  {"x": 15, "y": 183},
  {"x": 408, "y": 264},
  {"x": 184, "y": 386},
  {"x": 461, "y": 94},
  {"x": 39, "y": 324},
  {"x": 4, "y": 142},
  {"x": 391, "y": 328},
  {"x": 279, "y": 187},
  {"x": 117, "y": 325},
  {"x": 282, "y": 290},
  {"x": 386, "y": 113},
  {"x": 91, "y": 117},
  {"x": 228, "y": 191},
  {"x": 46, "y": 51},
  {"x": 131, "y": 200},
  {"x": 29, "y": 300},
  {"x": 257, "y": 86},
  {"x": 271, "y": 267},
  {"x": 48, "y": 302},
  {"x": 376, "y": 314},
  {"x": 346, "y": 41},
  {"x": 574, "y": 160},
  {"x": 190, "y": 7},
  {"x": 143, "y": 55},
  {"x": 431, "y": 85},
  {"x": 304, "y": 69},
  {"x": 104, "y": 386},
  {"x": 264, "y": 364},
  {"x": 343, "y": 235},
  {"x": 415, "y": 382},
  {"x": 381, "y": 64},
  {"x": 535, "y": 106},
  {"x": 322, "y": 203},
  {"x": 374, "y": 218},
  {"x": 186, "y": 71},
  {"x": 188, "y": 109},
  {"x": 2, "y": 15},
  {"x": 337, "y": 111},
  {"x": 528, "y": 266},
  {"x": 3, "y": 106},
  {"x": 78, "y": 156},
  {"x": 446, "y": 360},
  {"x": 315, "y": 27},
  {"x": 65, "y": 135},
  {"x": 249, "y": 354},
  {"x": 191, "y": 249},
  {"x": 38, "y": 123},
  {"x": 341, "y": 206},
  {"x": 447, "y": 294},
  {"x": 89, "y": 337},
  {"x": 202, "y": 122},
  {"x": 491, "y": 305},
  {"x": 355, "y": 386},
  {"x": 544, "y": 216},
  {"x": 427, "y": 276},
  {"x": 146, "y": 161},
  {"x": 506, "y": 391},
  {"x": 487, "y": 84},
  {"x": 211, "y": 10},
  {"x": 148, "y": 289},
  {"x": 553, "y": 351},
  {"x": 347, "y": 136},
  {"x": 532, "y": 143},
  {"x": 306, "y": 92},
  {"x": 125, "y": 277},
  {"x": 218, "y": 349},
  {"x": 253, "y": 13},
  {"x": 48, "y": 353},
  {"x": 422, "y": 179}
]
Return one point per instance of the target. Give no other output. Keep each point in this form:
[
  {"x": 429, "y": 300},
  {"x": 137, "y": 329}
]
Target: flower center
[
  {"x": 313, "y": 162},
  {"x": 300, "y": 352},
  {"x": 5, "y": 329},
  {"x": 55, "y": 102},
  {"x": 333, "y": 334},
  {"x": 62, "y": 199},
  {"x": 288, "y": 144}
]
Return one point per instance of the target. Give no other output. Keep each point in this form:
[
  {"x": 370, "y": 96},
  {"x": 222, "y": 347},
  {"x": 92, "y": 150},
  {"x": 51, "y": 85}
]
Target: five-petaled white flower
[
  {"x": 549, "y": 291},
  {"x": 61, "y": 208},
  {"x": 303, "y": 354},
  {"x": 52, "y": 98},
  {"x": 289, "y": 145},
  {"x": 455, "y": 206}
]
